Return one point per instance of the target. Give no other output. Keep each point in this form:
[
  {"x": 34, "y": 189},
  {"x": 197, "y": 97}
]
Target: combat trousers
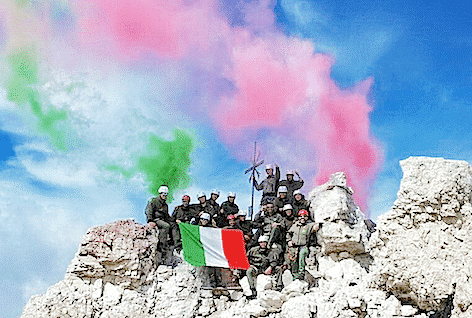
[
  {"x": 164, "y": 231},
  {"x": 254, "y": 271},
  {"x": 296, "y": 256}
]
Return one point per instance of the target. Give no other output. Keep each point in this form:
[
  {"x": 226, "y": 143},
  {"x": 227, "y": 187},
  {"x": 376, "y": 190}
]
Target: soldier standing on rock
[
  {"x": 281, "y": 199},
  {"x": 269, "y": 185},
  {"x": 291, "y": 184},
  {"x": 182, "y": 213},
  {"x": 227, "y": 208},
  {"x": 157, "y": 214},
  {"x": 299, "y": 237}
]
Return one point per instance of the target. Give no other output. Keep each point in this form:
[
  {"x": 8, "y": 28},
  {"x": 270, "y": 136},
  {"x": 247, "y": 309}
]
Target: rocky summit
[{"x": 414, "y": 263}]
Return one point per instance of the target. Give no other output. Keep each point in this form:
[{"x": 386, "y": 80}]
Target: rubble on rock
[
  {"x": 416, "y": 262},
  {"x": 422, "y": 248}
]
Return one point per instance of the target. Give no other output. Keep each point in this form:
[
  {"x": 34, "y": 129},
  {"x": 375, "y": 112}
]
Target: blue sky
[{"x": 419, "y": 54}]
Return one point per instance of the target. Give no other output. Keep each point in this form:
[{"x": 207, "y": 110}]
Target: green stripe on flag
[{"x": 192, "y": 246}]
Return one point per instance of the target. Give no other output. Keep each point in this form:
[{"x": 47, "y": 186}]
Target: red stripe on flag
[{"x": 234, "y": 248}]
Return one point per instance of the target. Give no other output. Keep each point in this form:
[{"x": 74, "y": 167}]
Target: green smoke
[
  {"x": 163, "y": 163},
  {"x": 22, "y": 91},
  {"x": 167, "y": 162}
]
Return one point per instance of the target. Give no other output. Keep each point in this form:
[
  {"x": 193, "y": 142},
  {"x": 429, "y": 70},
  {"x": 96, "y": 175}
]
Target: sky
[{"x": 102, "y": 101}]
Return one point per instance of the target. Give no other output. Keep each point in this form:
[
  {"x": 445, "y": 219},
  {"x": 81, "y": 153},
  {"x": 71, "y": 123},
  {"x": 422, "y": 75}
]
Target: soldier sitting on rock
[
  {"x": 157, "y": 214},
  {"x": 260, "y": 262},
  {"x": 299, "y": 237}
]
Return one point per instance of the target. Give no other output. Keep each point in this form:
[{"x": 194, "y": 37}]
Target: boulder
[
  {"x": 422, "y": 246},
  {"x": 343, "y": 223}
]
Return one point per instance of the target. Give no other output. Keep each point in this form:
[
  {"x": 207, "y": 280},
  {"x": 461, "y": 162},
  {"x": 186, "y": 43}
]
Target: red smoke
[{"x": 283, "y": 89}]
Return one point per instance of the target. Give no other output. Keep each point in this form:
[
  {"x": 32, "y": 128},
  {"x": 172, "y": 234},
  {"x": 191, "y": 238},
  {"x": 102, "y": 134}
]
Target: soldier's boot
[{"x": 253, "y": 294}]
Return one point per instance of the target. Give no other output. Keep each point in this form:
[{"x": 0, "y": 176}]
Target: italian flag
[{"x": 207, "y": 246}]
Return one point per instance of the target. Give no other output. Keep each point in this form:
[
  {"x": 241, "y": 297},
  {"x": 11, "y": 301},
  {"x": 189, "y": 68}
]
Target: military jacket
[
  {"x": 301, "y": 234},
  {"x": 259, "y": 257},
  {"x": 279, "y": 203},
  {"x": 199, "y": 208},
  {"x": 300, "y": 205},
  {"x": 184, "y": 214},
  {"x": 229, "y": 208},
  {"x": 157, "y": 209},
  {"x": 215, "y": 205},
  {"x": 270, "y": 184}
]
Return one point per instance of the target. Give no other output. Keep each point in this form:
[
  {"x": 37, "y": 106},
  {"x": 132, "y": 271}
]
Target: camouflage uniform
[
  {"x": 259, "y": 260},
  {"x": 183, "y": 214},
  {"x": 302, "y": 236},
  {"x": 269, "y": 186},
  {"x": 157, "y": 211}
]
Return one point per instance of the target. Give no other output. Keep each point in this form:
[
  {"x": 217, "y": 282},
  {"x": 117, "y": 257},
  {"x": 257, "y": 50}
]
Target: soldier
[
  {"x": 227, "y": 208},
  {"x": 299, "y": 202},
  {"x": 291, "y": 184},
  {"x": 203, "y": 206},
  {"x": 260, "y": 262},
  {"x": 214, "y": 195},
  {"x": 210, "y": 275},
  {"x": 288, "y": 217},
  {"x": 269, "y": 185},
  {"x": 157, "y": 214},
  {"x": 281, "y": 199},
  {"x": 299, "y": 237},
  {"x": 182, "y": 213},
  {"x": 271, "y": 225},
  {"x": 232, "y": 223}
]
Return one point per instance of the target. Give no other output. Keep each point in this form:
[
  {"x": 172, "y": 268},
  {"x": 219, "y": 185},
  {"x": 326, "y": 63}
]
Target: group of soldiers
[{"x": 277, "y": 239}]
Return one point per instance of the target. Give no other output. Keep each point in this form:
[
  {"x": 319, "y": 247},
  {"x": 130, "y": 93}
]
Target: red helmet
[
  {"x": 231, "y": 217},
  {"x": 186, "y": 198},
  {"x": 303, "y": 213}
]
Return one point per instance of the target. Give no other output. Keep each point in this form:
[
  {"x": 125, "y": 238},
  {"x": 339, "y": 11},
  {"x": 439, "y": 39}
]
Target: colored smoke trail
[
  {"x": 275, "y": 88},
  {"x": 163, "y": 163},
  {"x": 22, "y": 90},
  {"x": 167, "y": 162}
]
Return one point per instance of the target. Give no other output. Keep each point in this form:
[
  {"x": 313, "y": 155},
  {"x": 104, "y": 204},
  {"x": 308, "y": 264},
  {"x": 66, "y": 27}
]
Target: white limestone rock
[
  {"x": 343, "y": 227},
  {"x": 422, "y": 248}
]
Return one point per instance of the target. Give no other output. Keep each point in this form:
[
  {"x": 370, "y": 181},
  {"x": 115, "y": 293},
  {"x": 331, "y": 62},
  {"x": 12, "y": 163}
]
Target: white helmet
[
  {"x": 283, "y": 189},
  {"x": 201, "y": 194},
  {"x": 214, "y": 191},
  {"x": 287, "y": 207},
  {"x": 231, "y": 194},
  {"x": 296, "y": 192},
  {"x": 292, "y": 172},
  {"x": 263, "y": 238},
  {"x": 205, "y": 216},
  {"x": 163, "y": 189},
  {"x": 269, "y": 166},
  {"x": 241, "y": 213}
]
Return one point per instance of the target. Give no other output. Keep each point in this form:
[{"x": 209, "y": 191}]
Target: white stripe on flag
[{"x": 213, "y": 247}]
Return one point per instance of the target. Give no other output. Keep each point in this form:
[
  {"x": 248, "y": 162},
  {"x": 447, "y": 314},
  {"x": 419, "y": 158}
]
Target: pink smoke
[
  {"x": 284, "y": 95},
  {"x": 169, "y": 28}
]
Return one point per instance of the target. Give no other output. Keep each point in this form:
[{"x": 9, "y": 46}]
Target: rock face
[
  {"x": 416, "y": 265},
  {"x": 423, "y": 246},
  {"x": 343, "y": 227}
]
